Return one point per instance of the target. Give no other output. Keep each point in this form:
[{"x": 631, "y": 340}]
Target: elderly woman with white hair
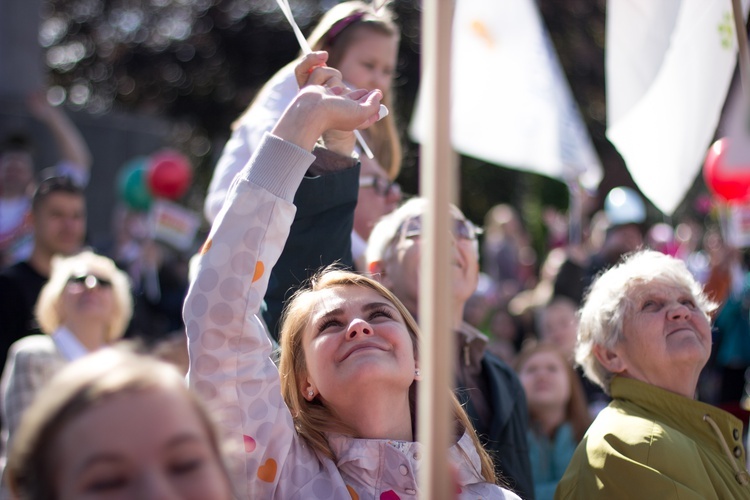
[
  {"x": 85, "y": 305},
  {"x": 644, "y": 337}
]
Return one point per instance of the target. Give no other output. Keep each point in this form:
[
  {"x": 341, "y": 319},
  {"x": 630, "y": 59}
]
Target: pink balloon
[
  {"x": 730, "y": 183},
  {"x": 169, "y": 174}
]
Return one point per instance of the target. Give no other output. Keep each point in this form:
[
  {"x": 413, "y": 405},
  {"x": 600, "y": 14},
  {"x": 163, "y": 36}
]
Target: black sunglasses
[{"x": 90, "y": 281}]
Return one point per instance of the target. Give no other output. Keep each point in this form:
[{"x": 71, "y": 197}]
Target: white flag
[
  {"x": 669, "y": 64},
  {"x": 511, "y": 102}
]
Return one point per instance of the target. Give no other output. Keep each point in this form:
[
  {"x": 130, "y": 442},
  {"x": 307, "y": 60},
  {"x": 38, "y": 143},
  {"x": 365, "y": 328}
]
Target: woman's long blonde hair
[
  {"x": 311, "y": 418},
  {"x": 350, "y": 19}
]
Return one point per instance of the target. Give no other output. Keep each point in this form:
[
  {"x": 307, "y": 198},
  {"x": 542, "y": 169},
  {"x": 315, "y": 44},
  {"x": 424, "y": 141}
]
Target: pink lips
[
  {"x": 685, "y": 329},
  {"x": 360, "y": 346}
]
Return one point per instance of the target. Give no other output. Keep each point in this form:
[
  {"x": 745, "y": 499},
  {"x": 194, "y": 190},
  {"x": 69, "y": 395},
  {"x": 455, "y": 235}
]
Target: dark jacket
[
  {"x": 20, "y": 285},
  {"x": 321, "y": 232},
  {"x": 503, "y": 430}
]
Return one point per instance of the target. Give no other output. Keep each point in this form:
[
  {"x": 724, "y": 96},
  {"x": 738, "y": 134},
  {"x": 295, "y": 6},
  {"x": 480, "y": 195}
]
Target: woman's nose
[
  {"x": 679, "y": 311},
  {"x": 393, "y": 196},
  {"x": 357, "y": 328},
  {"x": 156, "y": 486}
]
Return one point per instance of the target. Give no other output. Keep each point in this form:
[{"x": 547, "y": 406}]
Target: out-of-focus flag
[
  {"x": 669, "y": 64},
  {"x": 511, "y": 102}
]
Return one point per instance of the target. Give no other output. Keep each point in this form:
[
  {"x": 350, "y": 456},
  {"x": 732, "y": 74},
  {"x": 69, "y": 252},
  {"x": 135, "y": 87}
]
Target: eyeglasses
[
  {"x": 90, "y": 281},
  {"x": 462, "y": 229},
  {"x": 381, "y": 185}
]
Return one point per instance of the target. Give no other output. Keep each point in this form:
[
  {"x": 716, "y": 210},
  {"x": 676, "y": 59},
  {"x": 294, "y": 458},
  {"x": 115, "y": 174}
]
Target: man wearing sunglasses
[
  {"x": 377, "y": 196},
  {"x": 489, "y": 389}
]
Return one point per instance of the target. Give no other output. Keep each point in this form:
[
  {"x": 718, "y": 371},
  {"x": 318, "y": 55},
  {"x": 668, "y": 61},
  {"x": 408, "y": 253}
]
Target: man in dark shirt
[{"x": 58, "y": 217}]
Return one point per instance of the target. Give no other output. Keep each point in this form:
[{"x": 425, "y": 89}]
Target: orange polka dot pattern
[{"x": 231, "y": 370}]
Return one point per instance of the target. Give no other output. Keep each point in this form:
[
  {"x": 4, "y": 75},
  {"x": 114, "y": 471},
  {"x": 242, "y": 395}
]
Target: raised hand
[
  {"x": 312, "y": 70},
  {"x": 317, "y": 109}
]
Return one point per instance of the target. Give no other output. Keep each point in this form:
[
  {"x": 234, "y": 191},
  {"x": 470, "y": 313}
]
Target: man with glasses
[{"x": 489, "y": 389}]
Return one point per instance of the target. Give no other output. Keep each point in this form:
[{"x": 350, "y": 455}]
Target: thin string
[
  {"x": 377, "y": 6},
  {"x": 284, "y": 6}
]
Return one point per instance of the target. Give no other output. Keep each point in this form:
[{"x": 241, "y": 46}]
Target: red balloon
[
  {"x": 730, "y": 183},
  {"x": 169, "y": 174}
]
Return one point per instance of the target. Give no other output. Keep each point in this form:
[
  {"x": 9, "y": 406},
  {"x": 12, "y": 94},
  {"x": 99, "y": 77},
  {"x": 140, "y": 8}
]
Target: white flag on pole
[
  {"x": 669, "y": 64},
  {"x": 511, "y": 103}
]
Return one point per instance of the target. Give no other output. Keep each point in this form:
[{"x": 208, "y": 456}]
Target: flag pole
[
  {"x": 436, "y": 428},
  {"x": 744, "y": 55},
  {"x": 575, "y": 211}
]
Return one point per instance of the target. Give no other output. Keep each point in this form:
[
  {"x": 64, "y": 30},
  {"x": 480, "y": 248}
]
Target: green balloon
[{"x": 132, "y": 186}]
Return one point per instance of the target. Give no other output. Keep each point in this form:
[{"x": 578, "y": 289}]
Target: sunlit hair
[
  {"x": 347, "y": 21},
  {"x": 384, "y": 235},
  {"x": 84, "y": 384},
  {"x": 382, "y": 137},
  {"x": 576, "y": 410},
  {"x": 612, "y": 297},
  {"x": 311, "y": 418},
  {"x": 47, "y": 309}
]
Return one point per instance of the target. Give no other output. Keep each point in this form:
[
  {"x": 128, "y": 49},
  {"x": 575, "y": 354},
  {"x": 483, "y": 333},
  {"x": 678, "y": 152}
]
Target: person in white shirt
[{"x": 362, "y": 44}]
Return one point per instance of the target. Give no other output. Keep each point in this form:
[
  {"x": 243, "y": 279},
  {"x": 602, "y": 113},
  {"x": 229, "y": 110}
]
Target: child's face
[{"x": 370, "y": 61}]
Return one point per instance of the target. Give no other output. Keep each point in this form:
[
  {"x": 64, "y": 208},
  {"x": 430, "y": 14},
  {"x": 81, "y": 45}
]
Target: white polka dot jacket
[{"x": 231, "y": 368}]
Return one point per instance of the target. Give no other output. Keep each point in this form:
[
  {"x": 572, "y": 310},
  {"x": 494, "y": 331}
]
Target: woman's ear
[
  {"x": 307, "y": 389},
  {"x": 609, "y": 359}
]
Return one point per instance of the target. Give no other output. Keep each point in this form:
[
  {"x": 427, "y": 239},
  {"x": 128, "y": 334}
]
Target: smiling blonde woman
[{"x": 337, "y": 421}]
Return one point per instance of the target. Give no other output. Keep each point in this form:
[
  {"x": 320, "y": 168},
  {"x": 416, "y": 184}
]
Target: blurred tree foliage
[{"x": 200, "y": 62}]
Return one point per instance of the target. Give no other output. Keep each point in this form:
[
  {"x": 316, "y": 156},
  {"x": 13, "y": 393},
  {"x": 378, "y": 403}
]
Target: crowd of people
[{"x": 293, "y": 369}]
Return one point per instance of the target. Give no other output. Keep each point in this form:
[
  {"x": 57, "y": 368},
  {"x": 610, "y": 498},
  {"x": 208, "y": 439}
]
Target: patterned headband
[{"x": 341, "y": 25}]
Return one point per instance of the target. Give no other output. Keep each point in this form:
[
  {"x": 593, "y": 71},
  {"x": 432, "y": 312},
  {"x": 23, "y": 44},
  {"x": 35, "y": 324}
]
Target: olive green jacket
[{"x": 652, "y": 443}]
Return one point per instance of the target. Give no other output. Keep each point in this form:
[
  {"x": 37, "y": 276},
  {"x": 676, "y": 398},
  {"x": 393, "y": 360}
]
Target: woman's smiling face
[
  {"x": 544, "y": 377},
  {"x": 356, "y": 337}
]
